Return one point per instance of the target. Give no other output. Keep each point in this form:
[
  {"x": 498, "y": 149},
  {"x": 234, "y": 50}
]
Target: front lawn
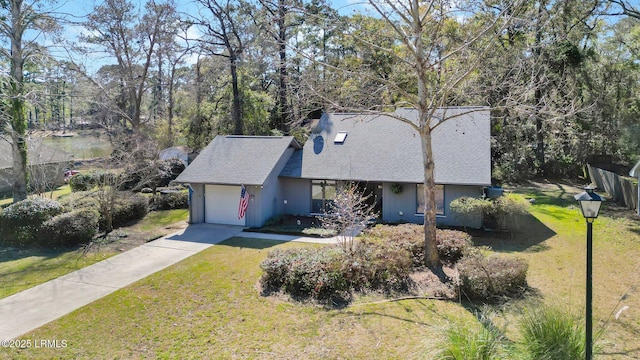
[
  {"x": 208, "y": 306},
  {"x": 21, "y": 269}
]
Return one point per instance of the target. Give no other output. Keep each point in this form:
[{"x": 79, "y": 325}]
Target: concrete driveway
[{"x": 32, "y": 308}]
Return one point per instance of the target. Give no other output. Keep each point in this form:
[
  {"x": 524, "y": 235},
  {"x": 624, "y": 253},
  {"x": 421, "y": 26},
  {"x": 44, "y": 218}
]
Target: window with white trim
[{"x": 439, "y": 199}]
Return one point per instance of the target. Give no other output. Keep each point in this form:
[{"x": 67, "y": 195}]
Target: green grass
[
  {"x": 21, "y": 269},
  {"x": 208, "y": 306},
  {"x": 162, "y": 218},
  {"x": 62, "y": 190}
]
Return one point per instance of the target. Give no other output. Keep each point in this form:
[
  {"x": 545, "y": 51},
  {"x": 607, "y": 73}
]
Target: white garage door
[{"x": 221, "y": 203}]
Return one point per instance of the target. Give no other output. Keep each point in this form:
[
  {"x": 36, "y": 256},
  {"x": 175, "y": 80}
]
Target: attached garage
[
  {"x": 221, "y": 203},
  {"x": 217, "y": 175}
]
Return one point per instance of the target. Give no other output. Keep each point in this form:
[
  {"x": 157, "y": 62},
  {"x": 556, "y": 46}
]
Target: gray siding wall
[
  {"x": 196, "y": 206},
  {"x": 297, "y": 193},
  {"x": 399, "y": 207},
  {"x": 255, "y": 211},
  {"x": 268, "y": 199},
  {"x": 402, "y": 207},
  {"x": 452, "y": 192}
]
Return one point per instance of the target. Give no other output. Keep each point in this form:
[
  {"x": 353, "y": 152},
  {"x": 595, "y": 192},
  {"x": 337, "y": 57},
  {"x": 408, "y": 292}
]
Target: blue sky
[{"x": 76, "y": 11}]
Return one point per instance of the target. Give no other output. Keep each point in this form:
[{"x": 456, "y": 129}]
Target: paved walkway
[{"x": 34, "y": 307}]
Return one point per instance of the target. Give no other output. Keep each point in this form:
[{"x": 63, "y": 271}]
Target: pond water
[{"x": 82, "y": 145}]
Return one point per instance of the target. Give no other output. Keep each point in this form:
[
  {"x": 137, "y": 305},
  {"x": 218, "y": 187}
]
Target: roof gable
[
  {"x": 383, "y": 149},
  {"x": 234, "y": 159}
]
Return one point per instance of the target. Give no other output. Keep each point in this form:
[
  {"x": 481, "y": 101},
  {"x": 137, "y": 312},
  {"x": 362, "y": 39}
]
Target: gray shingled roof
[
  {"x": 382, "y": 149},
  {"x": 37, "y": 153},
  {"x": 244, "y": 160}
]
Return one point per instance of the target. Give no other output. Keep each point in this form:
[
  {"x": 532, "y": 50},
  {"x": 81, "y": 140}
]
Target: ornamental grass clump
[
  {"x": 550, "y": 333},
  {"x": 480, "y": 342}
]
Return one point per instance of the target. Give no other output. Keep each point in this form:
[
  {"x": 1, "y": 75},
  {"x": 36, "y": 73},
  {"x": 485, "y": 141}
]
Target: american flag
[{"x": 244, "y": 202}]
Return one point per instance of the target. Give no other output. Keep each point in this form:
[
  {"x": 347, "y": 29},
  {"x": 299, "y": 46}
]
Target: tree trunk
[
  {"x": 540, "y": 157},
  {"x": 282, "y": 107},
  {"x": 432, "y": 260},
  {"x": 237, "y": 105},
  {"x": 18, "y": 116}
]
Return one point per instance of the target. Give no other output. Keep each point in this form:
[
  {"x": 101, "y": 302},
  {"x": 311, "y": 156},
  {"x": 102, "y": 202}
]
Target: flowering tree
[{"x": 349, "y": 213}]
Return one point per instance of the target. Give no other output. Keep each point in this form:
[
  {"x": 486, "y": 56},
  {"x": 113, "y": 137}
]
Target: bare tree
[
  {"x": 437, "y": 44},
  {"x": 224, "y": 38},
  {"x": 132, "y": 40}
]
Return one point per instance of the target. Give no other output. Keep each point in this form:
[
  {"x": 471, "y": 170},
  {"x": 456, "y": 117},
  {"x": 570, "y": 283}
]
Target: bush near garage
[
  {"x": 22, "y": 222},
  {"x": 69, "y": 229},
  {"x": 128, "y": 206},
  {"x": 170, "y": 201}
]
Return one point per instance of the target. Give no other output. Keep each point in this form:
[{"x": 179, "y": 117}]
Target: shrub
[
  {"x": 70, "y": 228},
  {"x": 492, "y": 278},
  {"x": 81, "y": 182},
  {"x": 508, "y": 209},
  {"x": 79, "y": 200},
  {"x": 177, "y": 200},
  {"x": 451, "y": 243},
  {"x": 87, "y": 181},
  {"x": 21, "y": 222},
  {"x": 331, "y": 273},
  {"x": 550, "y": 333},
  {"x": 467, "y": 207},
  {"x": 128, "y": 207}
]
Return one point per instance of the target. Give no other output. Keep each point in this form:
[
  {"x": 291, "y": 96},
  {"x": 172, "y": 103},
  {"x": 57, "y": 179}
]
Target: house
[
  {"x": 635, "y": 172},
  {"x": 380, "y": 153},
  {"x": 46, "y": 164},
  {"x": 175, "y": 152}
]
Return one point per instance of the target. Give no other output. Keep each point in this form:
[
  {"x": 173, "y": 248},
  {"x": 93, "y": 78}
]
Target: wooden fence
[{"x": 623, "y": 191}]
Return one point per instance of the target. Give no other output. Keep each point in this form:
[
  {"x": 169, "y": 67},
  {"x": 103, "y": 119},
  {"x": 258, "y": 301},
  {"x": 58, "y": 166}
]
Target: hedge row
[
  {"x": 74, "y": 220},
  {"x": 383, "y": 260},
  {"x": 451, "y": 244},
  {"x": 329, "y": 273}
]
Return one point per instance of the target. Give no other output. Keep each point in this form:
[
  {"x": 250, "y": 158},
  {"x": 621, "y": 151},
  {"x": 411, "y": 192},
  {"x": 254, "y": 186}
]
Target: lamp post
[{"x": 590, "y": 205}]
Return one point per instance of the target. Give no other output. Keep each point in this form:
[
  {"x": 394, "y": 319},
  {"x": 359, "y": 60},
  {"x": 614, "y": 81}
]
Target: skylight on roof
[{"x": 340, "y": 137}]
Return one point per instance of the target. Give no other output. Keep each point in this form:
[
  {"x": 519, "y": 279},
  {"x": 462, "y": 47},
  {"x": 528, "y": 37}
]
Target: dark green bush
[
  {"x": 177, "y": 200},
  {"x": 492, "y": 278},
  {"x": 81, "y": 182},
  {"x": 128, "y": 207},
  {"x": 87, "y": 181},
  {"x": 70, "y": 228},
  {"x": 150, "y": 173},
  {"x": 21, "y": 222}
]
